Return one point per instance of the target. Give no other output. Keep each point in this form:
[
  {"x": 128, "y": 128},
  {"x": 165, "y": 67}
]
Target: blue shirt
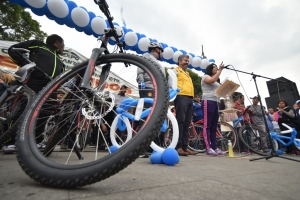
[
  {"x": 198, "y": 111},
  {"x": 269, "y": 119}
]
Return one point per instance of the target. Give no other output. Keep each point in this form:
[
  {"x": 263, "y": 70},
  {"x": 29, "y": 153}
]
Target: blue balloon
[
  {"x": 170, "y": 156},
  {"x": 113, "y": 149},
  {"x": 71, "y": 5},
  {"x": 60, "y": 21},
  {"x": 183, "y": 51},
  {"x": 164, "y": 126},
  {"x": 111, "y": 42},
  {"x": 38, "y": 11},
  {"x": 48, "y": 13},
  {"x": 156, "y": 158},
  {"x": 121, "y": 124},
  {"x": 212, "y": 60},
  {"x": 79, "y": 29},
  {"x": 190, "y": 67},
  {"x": 19, "y": 2}
]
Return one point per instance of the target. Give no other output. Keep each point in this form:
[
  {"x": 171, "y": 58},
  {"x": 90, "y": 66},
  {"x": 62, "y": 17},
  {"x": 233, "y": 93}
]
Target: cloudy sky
[{"x": 259, "y": 36}]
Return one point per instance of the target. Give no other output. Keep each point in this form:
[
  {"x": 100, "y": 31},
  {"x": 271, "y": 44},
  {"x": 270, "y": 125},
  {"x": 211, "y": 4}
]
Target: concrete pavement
[{"x": 195, "y": 177}]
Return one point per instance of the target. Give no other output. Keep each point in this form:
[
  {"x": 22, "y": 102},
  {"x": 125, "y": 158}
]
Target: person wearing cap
[
  {"x": 258, "y": 118},
  {"x": 144, "y": 81}
]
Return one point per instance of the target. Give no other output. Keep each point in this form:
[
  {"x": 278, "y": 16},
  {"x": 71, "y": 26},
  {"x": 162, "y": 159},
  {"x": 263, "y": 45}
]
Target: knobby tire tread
[{"x": 40, "y": 171}]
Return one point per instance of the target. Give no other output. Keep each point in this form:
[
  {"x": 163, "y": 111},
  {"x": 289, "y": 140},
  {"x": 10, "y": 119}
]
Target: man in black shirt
[{"x": 44, "y": 55}]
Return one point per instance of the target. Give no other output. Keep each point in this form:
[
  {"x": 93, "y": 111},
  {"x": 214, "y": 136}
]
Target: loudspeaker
[
  {"x": 275, "y": 87},
  {"x": 289, "y": 97}
]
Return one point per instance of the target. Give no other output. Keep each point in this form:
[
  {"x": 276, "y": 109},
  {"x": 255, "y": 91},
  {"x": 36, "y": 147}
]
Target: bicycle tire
[
  {"x": 245, "y": 134},
  {"x": 196, "y": 142},
  {"x": 19, "y": 102},
  {"x": 71, "y": 175},
  {"x": 228, "y": 133}
]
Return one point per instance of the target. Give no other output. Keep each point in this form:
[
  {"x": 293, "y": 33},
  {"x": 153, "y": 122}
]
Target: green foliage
[
  {"x": 196, "y": 81},
  {"x": 195, "y": 78},
  {"x": 16, "y": 24}
]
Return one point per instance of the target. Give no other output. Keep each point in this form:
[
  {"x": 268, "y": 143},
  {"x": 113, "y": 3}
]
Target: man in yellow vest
[{"x": 184, "y": 105}]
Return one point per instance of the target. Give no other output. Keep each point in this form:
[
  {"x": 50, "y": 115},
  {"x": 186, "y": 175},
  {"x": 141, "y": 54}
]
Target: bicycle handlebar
[
  {"x": 104, "y": 8},
  {"x": 288, "y": 127}
]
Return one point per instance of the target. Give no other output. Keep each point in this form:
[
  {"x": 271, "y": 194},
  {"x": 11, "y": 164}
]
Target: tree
[
  {"x": 195, "y": 78},
  {"x": 16, "y": 24}
]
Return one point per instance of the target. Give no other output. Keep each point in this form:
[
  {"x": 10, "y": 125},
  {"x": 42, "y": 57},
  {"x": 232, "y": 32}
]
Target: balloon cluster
[
  {"x": 66, "y": 12},
  {"x": 169, "y": 157}
]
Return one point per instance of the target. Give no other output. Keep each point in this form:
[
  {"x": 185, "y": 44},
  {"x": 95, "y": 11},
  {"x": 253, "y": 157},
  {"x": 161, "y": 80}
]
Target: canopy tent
[{"x": 70, "y": 58}]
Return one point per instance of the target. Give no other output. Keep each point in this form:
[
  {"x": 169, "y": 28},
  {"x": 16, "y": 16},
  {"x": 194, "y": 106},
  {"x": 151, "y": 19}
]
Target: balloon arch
[{"x": 68, "y": 13}]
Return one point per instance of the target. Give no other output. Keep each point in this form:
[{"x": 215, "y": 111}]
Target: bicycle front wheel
[
  {"x": 73, "y": 167},
  {"x": 251, "y": 140}
]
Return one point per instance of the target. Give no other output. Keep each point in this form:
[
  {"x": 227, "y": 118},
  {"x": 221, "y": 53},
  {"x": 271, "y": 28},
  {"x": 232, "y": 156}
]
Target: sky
[{"x": 259, "y": 36}]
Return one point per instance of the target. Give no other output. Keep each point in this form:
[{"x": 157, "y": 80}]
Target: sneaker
[
  {"x": 41, "y": 146},
  {"x": 9, "y": 149},
  {"x": 211, "y": 152},
  {"x": 63, "y": 146},
  {"x": 144, "y": 155},
  {"x": 219, "y": 152}
]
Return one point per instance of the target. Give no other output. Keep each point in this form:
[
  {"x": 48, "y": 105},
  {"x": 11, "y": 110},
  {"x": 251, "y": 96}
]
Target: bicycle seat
[{"x": 22, "y": 73}]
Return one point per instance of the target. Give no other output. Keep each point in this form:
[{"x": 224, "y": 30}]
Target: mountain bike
[
  {"x": 16, "y": 99},
  {"x": 75, "y": 168}
]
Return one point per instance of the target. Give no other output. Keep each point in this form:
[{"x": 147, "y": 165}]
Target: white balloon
[
  {"x": 190, "y": 58},
  {"x": 131, "y": 39},
  {"x": 176, "y": 55},
  {"x": 168, "y": 53},
  {"x": 143, "y": 44},
  {"x": 58, "y": 8},
  {"x": 36, "y": 3},
  {"x": 80, "y": 17},
  {"x": 119, "y": 32},
  {"x": 204, "y": 63},
  {"x": 196, "y": 62},
  {"x": 98, "y": 25}
]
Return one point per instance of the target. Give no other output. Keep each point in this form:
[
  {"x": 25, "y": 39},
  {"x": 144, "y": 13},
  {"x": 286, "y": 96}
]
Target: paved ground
[{"x": 195, "y": 177}]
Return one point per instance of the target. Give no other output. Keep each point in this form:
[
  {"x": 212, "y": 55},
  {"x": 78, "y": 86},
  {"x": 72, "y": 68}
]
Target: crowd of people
[{"x": 187, "y": 106}]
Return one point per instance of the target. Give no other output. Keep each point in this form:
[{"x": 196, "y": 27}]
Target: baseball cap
[{"x": 298, "y": 101}]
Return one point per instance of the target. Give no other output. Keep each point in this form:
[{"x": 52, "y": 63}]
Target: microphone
[{"x": 226, "y": 67}]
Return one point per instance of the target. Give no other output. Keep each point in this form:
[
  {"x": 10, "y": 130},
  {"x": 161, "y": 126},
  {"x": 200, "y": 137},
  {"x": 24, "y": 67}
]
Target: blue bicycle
[{"x": 278, "y": 138}]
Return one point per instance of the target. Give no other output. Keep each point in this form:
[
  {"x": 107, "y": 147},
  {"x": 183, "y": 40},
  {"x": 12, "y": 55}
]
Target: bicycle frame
[{"x": 279, "y": 137}]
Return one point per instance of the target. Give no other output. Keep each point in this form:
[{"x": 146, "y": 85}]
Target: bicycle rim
[
  {"x": 11, "y": 110},
  {"x": 195, "y": 138},
  {"x": 65, "y": 168},
  {"x": 250, "y": 140},
  {"x": 227, "y": 133}
]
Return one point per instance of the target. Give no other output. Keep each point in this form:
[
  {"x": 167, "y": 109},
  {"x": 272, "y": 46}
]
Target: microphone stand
[{"x": 273, "y": 152}]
